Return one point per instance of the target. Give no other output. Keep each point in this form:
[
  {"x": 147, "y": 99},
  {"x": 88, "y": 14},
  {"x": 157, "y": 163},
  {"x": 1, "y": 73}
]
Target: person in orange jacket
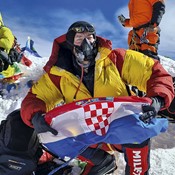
[
  {"x": 145, "y": 17},
  {"x": 82, "y": 66}
]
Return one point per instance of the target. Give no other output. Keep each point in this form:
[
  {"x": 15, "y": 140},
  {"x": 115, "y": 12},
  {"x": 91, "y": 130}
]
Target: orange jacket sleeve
[{"x": 144, "y": 12}]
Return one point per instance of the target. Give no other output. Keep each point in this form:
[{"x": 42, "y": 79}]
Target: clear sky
[{"x": 44, "y": 20}]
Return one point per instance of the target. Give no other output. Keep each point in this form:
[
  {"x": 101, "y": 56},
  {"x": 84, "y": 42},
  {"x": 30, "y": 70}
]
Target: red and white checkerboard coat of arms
[{"x": 97, "y": 116}]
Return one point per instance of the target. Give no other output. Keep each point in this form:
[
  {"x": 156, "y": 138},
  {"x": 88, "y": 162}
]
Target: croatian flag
[{"x": 108, "y": 120}]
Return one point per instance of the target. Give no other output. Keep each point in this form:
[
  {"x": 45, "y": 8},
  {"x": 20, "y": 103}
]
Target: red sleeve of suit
[
  {"x": 29, "y": 106},
  {"x": 54, "y": 54},
  {"x": 160, "y": 84},
  {"x": 32, "y": 104}
]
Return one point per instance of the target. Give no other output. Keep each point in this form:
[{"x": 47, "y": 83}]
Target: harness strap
[{"x": 133, "y": 42}]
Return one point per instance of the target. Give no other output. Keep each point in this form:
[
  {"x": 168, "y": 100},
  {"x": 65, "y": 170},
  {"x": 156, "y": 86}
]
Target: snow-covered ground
[
  {"x": 13, "y": 100},
  {"x": 162, "y": 148}
]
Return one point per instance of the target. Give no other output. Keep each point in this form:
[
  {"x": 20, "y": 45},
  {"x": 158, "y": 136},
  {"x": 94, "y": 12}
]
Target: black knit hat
[{"x": 79, "y": 27}]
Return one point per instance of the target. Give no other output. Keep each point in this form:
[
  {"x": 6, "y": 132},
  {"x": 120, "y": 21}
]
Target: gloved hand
[
  {"x": 122, "y": 19},
  {"x": 150, "y": 111},
  {"x": 40, "y": 124}
]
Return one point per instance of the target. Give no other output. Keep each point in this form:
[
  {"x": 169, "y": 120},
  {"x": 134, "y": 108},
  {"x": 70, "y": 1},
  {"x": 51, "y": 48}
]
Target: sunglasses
[{"x": 82, "y": 29}]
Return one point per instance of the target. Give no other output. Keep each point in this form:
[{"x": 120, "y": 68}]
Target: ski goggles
[{"x": 82, "y": 29}]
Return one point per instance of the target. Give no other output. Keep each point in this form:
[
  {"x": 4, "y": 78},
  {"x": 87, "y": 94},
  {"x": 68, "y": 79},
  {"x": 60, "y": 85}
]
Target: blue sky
[{"x": 45, "y": 20}]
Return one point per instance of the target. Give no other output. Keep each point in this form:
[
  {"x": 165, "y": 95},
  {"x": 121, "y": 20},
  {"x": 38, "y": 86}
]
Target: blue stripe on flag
[{"x": 128, "y": 129}]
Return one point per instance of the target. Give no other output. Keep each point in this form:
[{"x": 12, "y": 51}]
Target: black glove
[
  {"x": 122, "y": 19},
  {"x": 150, "y": 111},
  {"x": 4, "y": 61},
  {"x": 40, "y": 124}
]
